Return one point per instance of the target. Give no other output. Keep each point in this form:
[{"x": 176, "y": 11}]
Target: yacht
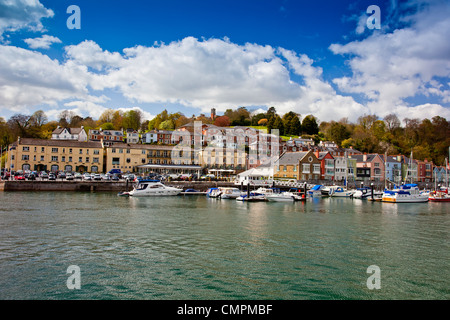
[
  {"x": 146, "y": 188},
  {"x": 287, "y": 196},
  {"x": 326, "y": 190},
  {"x": 340, "y": 192},
  {"x": 405, "y": 193},
  {"x": 230, "y": 193},
  {"x": 252, "y": 197},
  {"x": 439, "y": 195},
  {"x": 366, "y": 192}
]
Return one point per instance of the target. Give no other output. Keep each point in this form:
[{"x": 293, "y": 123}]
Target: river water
[{"x": 193, "y": 247}]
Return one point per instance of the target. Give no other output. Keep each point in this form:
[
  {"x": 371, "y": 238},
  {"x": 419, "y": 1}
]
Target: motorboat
[
  {"x": 366, "y": 192},
  {"x": 340, "y": 192},
  {"x": 145, "y": 188},
  {"x": 326, "y": 190},
  {"x": 285, "y": 196},
  {"x": 315, "y": 191},
  {"x": 252, "y": 197},
  {"x": 404, "y": 194},
  {"x": 230, "y": 193},
  {"x": 212, "y": 191},
  {"x": 439, "y": 195}
]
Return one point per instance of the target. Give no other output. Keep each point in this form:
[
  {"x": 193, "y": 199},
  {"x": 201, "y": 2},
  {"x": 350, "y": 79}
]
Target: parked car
[
  {"x": 69, "y": 176},
  {"x": 115, "y": 177},
  {"x": 77, "y": 176},
  {"x": 44, "y": 175},
  {"x": 87, "y": 176},
  {"x": 97, "y": 177},
  {"x": 61, "y": 175},
  {"x": 51, "y": 176},
  {"x": 19, "y": 177}
]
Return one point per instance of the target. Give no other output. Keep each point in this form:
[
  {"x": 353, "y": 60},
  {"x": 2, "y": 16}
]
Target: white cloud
[
  {"x": 22, "y": 14},
  {"x": 43, "y": 42},
  {"x": 389, "y": 68}
]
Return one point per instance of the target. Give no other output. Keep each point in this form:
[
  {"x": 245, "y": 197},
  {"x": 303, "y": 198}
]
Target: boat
[
  {"x": 439, "y": 195},
  {"x": 286, "y": 197},
  {"x": 326, "y": 190},
  {"x": 407, "y": 193},
  {"x": 145, "y": 188},
  {"x": 252, "y": 197},
  {"x": 212, "y": 191},
  {"x": 230, "y": 193},
  {"x": 340, "y": 192},
  {"x": 315, "y": 191},
  {"x": 365, "y": 193}
]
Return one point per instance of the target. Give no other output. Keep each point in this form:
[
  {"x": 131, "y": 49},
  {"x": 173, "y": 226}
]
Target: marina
[{"x": 196, "y": 247}]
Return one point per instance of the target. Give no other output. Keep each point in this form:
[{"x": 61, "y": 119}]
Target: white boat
[
  {"x": 340, "y": 192},
  {"x": 365, "y": 193},
  {"x": 285, "y": 197},
  {"x": 146, "y": 188},
  {"x": 230, "y": 193},
  {"x": 326, "y": 190},
  {"x": 405, "y": 193},
  {"x": 252, "y": 197}
]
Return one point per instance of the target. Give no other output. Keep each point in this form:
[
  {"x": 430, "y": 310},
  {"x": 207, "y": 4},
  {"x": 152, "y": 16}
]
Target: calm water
[{"x": 200, "y": 248}]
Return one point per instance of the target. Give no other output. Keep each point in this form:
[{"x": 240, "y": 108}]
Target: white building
[{"x": 73, "y": 134}]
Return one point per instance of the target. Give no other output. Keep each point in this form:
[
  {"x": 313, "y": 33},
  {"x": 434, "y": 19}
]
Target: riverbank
[{"x": 102, "y": 186}]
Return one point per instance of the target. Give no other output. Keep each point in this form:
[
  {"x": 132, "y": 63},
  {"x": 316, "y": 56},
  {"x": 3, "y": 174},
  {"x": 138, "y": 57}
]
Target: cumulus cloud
[
  {"x": 389, "y": 68},
  {"x": 22, "y": 14},
  {"x": 43, "y": 42}
]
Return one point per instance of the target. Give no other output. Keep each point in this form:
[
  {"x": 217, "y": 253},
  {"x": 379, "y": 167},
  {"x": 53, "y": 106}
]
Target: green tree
[{"x": 309, "y": 125}]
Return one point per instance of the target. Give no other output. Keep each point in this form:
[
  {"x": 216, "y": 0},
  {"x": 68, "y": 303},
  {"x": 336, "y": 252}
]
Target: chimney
[
  {"x": 316, "y": 153},
  {"x": 364, "y": 157}
]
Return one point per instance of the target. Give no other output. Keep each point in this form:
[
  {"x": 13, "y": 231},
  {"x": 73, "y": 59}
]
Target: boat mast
[
  {"x": 385, "y": 170},
  {"x": 346, "y": 169}
]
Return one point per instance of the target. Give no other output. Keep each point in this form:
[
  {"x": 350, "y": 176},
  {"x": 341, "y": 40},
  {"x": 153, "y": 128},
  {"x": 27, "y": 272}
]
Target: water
[{"x": 199, "y": 248}]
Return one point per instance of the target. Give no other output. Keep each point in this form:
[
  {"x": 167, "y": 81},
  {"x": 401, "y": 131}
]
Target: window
[
  {"x": 115, "y": 160},
  {"x": 95, "y": 160},
  {"x": 63, "y": 159},
  {"x": 26, "y": 148},
  {"x": 43, "y": 149},
  {"x": 128, "y": 160},
  {"x": 25, "y": 157},
  {"x": 70, "y": 150},
  {"x": 70, "y": 159},
  {"x": 120, "y": 150},
  {"x": 96, "y": 151},
  {"x": 316, "y": 168},
  {"x": 306, "y": 168},
  {"x": 80, "y": 159},
  {"x": 54, "y": 158},
  {"x": 54, "y": 150},
  {"x": 81, "y": 151},
  {"x": 35, "y": 149},
  {"x": 295, "y": 168},
  {"x": 87, "y": 159},
  {"x": 128, "y": 150},
  {"x": 113, "y": 150},
  {"x": 143, "y": 151},
  {"x": 42, "y": 158}
]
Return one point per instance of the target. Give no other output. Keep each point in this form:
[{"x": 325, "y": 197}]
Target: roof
[
  {"x": 289, "y": 158},
  {"x": 360, "y": 157},
  {"x": 59, "y": 143},
  {"x": 70, "y": 130}
]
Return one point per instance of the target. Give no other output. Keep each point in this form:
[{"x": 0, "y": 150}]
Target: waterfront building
[
  {"x": 302, "y": 165},
  {"x": 75, "y": 134},
  {"x": 340, "y": 168},
  {"x": 55, "y": 155},
  {"x": 393, "y": 169},
  {"x": 369, "y": 167},
  {"x": 424, "y": 171},
  {"x": 127, "y": 157},
  {"x": 327, "y": 169}
]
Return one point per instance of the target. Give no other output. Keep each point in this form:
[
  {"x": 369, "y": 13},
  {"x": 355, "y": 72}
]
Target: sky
[{"x": 332, "y": 59}]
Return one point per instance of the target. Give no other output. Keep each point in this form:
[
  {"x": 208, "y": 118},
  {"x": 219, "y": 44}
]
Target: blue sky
[{"x": 310, "y": 57}]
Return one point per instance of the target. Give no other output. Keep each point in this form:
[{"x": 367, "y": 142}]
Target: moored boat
[
  {"x": 146, "y": 188},
  {"x": 439, "y": 195},
  {"x": 230, "y": 193},
  {"x": 408, "y": 193},
  {"x": 315, "y": 191},
  {"x": 340, "y": 192}
]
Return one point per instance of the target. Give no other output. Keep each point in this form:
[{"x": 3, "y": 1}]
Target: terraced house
[
  {"x": 298, "y": 165},
  {"x": 55, "y": 155}
]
